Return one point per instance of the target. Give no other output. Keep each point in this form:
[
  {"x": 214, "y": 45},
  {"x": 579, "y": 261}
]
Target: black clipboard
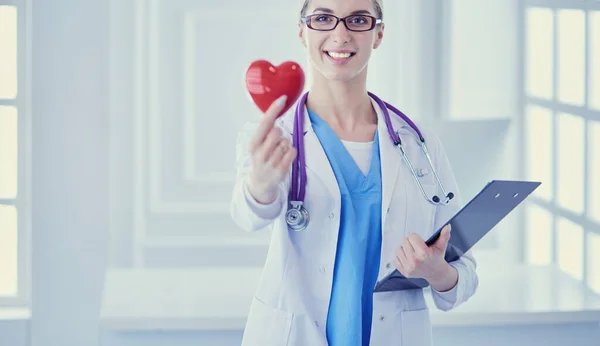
[{"x": 496, "y": 200}]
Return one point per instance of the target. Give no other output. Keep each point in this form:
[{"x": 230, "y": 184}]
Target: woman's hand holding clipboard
[{"x": 477, "y": 218}]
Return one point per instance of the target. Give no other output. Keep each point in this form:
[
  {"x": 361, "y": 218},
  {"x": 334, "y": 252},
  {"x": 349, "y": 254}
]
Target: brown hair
[{"x": 376, "y": 3}]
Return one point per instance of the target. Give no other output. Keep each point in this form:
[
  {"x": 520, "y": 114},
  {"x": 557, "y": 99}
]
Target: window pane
[
  {"x": 540, "y": 55},
  {"x": 8, "y": 52},
  {"x": 539, "y": 149},
  {"x": 593, "y": 261},
  {"x": 570, "y": 248},
  {"x": 595, "y": 59},
  {"x": 594, "y": 174},
  {"x": 570, "y": 162},
  {"x": 8, "y": 152},
  {"x": 8, "y": 250},
  {"x": 539, "y": 235},
  {"x": 571, "y": 56}
]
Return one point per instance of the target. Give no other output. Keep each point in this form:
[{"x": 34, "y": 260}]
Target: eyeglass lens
[{"x": 328, "y": 22}]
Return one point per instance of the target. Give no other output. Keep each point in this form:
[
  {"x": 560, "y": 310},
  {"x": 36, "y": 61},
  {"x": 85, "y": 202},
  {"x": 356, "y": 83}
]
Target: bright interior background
[{"x": 512, "y": 87}]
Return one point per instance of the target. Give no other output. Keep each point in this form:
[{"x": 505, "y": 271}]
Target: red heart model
[{"x": 266, "y": 83}]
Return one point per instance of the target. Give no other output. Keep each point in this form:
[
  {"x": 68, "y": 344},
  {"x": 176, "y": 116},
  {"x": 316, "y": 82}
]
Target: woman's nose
[{"x": 341, "y": 34}]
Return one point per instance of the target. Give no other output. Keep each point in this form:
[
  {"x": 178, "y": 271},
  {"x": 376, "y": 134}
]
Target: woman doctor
[{"x": 367, "y": 216}]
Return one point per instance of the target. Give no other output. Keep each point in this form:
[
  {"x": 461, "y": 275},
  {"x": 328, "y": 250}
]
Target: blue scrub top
[{"x": 359, "y": 241}]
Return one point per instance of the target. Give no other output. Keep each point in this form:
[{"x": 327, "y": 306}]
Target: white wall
[
  {"x": 70, "y": 171},
  {"x": 14, "y": 332}
]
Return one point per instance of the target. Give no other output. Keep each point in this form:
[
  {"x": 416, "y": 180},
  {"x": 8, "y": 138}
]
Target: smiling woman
[{"x": 333, "y": 235}]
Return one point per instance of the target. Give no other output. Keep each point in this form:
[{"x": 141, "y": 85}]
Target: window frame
[
  {"x": 22, "y": 102},
  {"x": 555, "y": 106}
]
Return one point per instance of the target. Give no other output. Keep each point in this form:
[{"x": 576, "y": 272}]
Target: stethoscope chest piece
[{"x": 297, "y": 216}]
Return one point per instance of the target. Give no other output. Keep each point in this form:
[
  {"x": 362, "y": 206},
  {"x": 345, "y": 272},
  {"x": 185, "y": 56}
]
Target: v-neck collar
[{"x": 350, "y": 176}]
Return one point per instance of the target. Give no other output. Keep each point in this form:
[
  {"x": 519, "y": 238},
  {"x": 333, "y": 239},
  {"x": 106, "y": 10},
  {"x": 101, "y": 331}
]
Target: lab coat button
[
  {"x": 322, "y": 269},
  {"x": 388, "y": 210},
  {"x": 317, "y": 323},
  {"x": 331, "y": 216},
  {"x": 388, "y": 266},
  {"x": 382, "y": 318}
]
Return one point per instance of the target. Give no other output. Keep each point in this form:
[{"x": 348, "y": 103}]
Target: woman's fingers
[
  {"x": 267, "y": 123},
  {"x": 277, "y": 153},
  {"x": 282, "y": 157},
  {"x": 400, "y": 259},
  {"x": 419, "y": 247},
  {"x": 398, "y": 264},
  {"x": 289, "y": 156},
  {"x": 264, "y": 151},
  {"x": 408, "y": 248}
]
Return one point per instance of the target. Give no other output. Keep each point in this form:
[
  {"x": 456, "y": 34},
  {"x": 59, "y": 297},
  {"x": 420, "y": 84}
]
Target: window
[
  {"x": 594, "y": 168},
  {"x": 570, "y": 153},
  {"x": 14, "y": 166},
  {"x": 561, "y": 131},
  {"x": 539, "y": 53},
  {"x": 539, "y": 129},
  {"x": 539, "y": 236},
  {"x": 594, "y": 59},
  {"x": 593, "y": 258},
  {"x": 8, "y": 193}
]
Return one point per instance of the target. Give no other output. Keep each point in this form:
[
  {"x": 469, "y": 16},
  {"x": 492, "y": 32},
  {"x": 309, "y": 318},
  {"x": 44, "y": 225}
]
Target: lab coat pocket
[
  {"x": 416, "y": 327},
  {"x": 266, "y": 325}
]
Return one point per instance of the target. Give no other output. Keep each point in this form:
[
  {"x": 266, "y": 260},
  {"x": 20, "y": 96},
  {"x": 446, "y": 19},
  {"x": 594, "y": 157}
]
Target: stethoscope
[{"x": 297, "y": 217}]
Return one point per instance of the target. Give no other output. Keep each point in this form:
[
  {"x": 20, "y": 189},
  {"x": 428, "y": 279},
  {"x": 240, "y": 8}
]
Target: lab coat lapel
[
  {"x": 316, "y": 159},
  {"x": 314, "y": 155},
  {"x": 391, "y": 174}
]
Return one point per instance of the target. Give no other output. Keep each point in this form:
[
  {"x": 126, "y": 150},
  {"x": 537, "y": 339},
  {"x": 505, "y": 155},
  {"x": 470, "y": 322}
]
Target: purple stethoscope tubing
[{"x": 297, "y": 215}]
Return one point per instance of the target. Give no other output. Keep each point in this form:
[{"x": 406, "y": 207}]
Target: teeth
[{"x": 339, "y": 55}]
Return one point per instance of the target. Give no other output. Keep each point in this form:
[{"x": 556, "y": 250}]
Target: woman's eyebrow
[{"x": 322, "y": 9}]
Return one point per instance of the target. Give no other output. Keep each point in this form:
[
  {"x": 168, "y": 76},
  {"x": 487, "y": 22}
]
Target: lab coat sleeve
[
  {"x": 466, "y": 266},
  {"x": 245, "y": 211}
]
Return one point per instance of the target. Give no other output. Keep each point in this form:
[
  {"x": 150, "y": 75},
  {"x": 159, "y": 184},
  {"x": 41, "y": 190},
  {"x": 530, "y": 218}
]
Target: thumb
[
  {"x": 444, "y": 237},
  {"x": 274, "y": 110}
]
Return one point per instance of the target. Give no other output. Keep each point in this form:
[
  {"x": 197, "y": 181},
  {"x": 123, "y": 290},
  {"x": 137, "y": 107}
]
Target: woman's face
[{"x": 340, "y": 54}]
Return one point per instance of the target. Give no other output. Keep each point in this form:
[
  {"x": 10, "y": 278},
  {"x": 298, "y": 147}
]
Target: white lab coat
[{"x": 291, "y": 301}]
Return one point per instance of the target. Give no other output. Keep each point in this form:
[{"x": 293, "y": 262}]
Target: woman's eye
[
  {"x": 359, "y": 20},
  {"x": 322, "y": 18}
]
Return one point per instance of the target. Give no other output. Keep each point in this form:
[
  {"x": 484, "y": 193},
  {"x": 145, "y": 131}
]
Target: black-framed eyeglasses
[{"x": 328, "y": 22}]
